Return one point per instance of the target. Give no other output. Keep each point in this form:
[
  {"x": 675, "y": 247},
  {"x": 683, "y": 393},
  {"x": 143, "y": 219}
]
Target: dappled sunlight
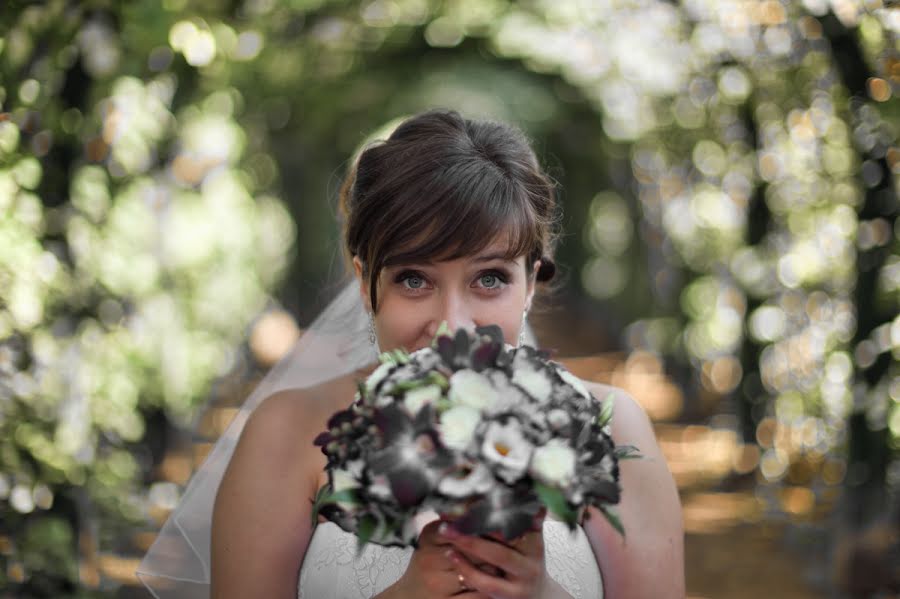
[
  {"x": 699, "y": 455},
  {"x": 706, "y": 513},
  {"x": 729, "y": 170},
  {"x": 640, "y": 375},
  {"x": 272, "y": 337}
]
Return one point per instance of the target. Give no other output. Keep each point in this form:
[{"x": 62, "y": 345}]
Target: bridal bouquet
[{"x": 481, "y": 432}]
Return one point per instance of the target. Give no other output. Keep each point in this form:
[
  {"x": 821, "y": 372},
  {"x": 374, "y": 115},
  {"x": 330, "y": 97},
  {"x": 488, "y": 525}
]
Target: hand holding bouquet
[{"x": 480, "y": 432}]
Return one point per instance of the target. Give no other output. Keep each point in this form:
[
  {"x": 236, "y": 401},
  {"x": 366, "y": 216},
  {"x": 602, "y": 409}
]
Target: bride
[{"x": 450, "y": 221}]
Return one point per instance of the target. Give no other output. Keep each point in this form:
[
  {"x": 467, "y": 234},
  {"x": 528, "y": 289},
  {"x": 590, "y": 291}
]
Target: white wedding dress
[{"x": 331, "y": 569}]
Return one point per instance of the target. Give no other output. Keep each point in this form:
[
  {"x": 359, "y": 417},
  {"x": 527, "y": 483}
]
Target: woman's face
[{"x": 468, "y": 292}]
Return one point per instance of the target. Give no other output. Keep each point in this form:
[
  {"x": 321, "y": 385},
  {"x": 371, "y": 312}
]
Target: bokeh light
[{"x": 732, "y": 202}]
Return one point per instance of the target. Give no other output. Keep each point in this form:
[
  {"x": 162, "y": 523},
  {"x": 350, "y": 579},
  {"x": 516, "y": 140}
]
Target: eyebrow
[{"x": 482, "y": 258}]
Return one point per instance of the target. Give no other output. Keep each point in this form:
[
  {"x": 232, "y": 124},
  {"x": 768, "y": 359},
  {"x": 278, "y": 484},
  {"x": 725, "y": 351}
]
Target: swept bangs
[{"x": 462, "y": 221}]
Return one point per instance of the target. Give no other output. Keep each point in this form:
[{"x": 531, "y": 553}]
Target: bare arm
[
  {"x": 649, "y": 561},
  {"x": 262, "y": 515}
]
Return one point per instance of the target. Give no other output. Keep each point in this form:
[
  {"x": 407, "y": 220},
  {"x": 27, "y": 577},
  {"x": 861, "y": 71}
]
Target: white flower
[
  {"x": 418, "y": 397},
  {"x": 554, "y": 463},
  {"x": 457, "y": 426},
  {"x": 377, "y": 376},
  {"x": 343, "y": 480},
  {"x": 535, "y": 383},
  {"x": 558, "y": 418},
  {"x": 478, "y": 480},
  {"x": 382, "y": 401},
  {"x": 508, "y": 396},
  {"x": 467, "y": 387},
  {"x": 355, "y": 468},
  {"x": 426, "y": 358},
  {"x": 607, "y": 463},
  {"x": 380, "y": 488},
  {"x": 410, "y": 531},
  {"x": 506, "y": 447},
  {"x": 573, "y": 380}
]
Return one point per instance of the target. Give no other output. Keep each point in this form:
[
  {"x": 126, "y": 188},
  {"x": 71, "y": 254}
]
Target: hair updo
[{"x": 442, "y": 187}]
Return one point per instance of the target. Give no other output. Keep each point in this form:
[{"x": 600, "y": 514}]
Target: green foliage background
[{"x": 168, "y": 171}]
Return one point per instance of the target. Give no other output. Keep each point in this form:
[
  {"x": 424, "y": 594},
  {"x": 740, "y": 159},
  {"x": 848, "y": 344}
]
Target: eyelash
[
  {"x": 404, "y": 276},
  {"x": 502, "y": 279}
]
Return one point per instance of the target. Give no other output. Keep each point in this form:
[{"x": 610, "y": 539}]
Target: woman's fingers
[
  {"x": 431, "y": 533},
  {"x": 531, "y": 544},
  {"x": 510, "y": 560},
  {"x": 498, "y": 568},
  {"x": 475, "y": 579},
  {"x": 461, "y": 588}
]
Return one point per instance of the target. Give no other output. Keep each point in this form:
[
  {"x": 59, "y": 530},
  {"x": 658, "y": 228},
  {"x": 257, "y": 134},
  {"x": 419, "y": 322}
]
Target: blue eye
[
  {"x": 490, "y": 281},
  {"x": 414, "y": 282}
]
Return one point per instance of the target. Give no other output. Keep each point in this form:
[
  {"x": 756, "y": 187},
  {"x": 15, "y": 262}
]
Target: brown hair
[{"x": 442, "y": 187}]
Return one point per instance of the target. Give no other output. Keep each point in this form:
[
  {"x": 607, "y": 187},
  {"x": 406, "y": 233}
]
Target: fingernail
[{"x": 447, "y": 531}]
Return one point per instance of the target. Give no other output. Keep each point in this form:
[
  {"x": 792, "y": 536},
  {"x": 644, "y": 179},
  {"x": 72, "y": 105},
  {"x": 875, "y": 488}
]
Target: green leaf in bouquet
[
  {"x": 364, "y": 532},
  {"x": 442, "y": 405},
  {"x": 443, "y": 330},
  {"x": 612, "y": 516},
  {"x": 345, "y": 496},
  {"x": 556, "y": 502},
  {"x": 627, "y": 452},
  {"x": 436, "y": 378},
  {"x": 326, "y": 497},
  {"x": 606, "y": 412},
  {"x": 395, "y": 357},
  {"x": 319, "y": 501},
  {"x": 409, "y": 385}
]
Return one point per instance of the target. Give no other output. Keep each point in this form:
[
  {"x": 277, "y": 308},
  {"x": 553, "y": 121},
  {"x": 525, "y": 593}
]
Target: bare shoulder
[
  {"x": 287, "y": 411},
  {"x": 262, "y": 518},
  {"x": 631, "y": 426},
  {"x": 292, "y": 417},
  {"x": 276, "y": 444},
  {"x": 630, "y": 423},
  {"x": 652, "y": 557}
]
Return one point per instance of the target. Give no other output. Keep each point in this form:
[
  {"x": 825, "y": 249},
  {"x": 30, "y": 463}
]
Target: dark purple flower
[
  {"x": 502, "y": 510},
  {"x": 411, "y": 454}
]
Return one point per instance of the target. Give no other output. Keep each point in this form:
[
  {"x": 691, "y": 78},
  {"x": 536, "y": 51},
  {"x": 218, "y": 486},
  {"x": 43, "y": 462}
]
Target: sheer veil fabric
[{"x": 335, "y": 344}]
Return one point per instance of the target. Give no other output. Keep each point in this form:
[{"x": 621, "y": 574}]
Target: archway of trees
[{"x": 168, "y": 172}]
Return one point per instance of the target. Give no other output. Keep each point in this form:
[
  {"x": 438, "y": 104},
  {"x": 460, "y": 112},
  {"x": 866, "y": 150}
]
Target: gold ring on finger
[{"x": 462, "y": 582}]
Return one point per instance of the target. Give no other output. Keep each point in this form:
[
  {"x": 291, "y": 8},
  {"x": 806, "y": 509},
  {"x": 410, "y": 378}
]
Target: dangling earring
[
  {"x": 373, "y": 340},
  {"x": 522, "y": 328}
]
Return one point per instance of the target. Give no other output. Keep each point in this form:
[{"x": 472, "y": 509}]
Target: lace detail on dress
[
  {"x": 332, "y": 570},
  {"x": 570, "y": 561}
]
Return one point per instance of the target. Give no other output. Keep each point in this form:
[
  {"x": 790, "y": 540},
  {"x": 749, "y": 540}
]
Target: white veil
[
  {"x": 177, "y": 565},
  {"x": 336, "y": 343}
]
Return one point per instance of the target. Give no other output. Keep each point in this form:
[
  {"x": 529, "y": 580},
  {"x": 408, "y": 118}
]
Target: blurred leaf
[{"x": 555, "y": 501}]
